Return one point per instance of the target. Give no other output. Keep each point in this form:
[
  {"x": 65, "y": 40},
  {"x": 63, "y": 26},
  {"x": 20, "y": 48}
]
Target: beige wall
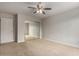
[{"x": 63, "y": 28}]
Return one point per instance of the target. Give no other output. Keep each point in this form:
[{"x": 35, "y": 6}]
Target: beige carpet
[{"x": 37, "y": 47}]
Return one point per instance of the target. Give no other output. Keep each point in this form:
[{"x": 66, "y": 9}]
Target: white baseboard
[
  {"x": 3, "y": 42},
  {"x": 20, "y": 41},
  {"x": 64, "y": 43}
]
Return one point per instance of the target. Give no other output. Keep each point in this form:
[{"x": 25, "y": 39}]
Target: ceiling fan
[{"x": 39, "y": 8}]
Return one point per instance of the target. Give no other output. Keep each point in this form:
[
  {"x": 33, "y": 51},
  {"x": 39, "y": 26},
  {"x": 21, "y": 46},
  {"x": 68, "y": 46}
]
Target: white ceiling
[{"x": 21, "y": 7}]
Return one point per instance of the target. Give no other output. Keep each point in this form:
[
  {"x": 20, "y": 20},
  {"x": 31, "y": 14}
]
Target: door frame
[{"x": 39, "y": 29}]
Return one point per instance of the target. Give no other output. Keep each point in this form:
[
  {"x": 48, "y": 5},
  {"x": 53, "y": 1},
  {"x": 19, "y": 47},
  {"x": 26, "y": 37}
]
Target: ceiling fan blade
[
  {"x": 32, "y": 7},
  {"x": 34, "y": 12},
  {"x": 43, "y": 12},
  {"x": 47, "y": 8},
  {"x": 38, "y": 6}
]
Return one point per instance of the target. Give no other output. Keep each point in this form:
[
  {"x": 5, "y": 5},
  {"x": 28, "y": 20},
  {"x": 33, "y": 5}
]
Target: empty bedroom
[{"x": 39, "y": 28}]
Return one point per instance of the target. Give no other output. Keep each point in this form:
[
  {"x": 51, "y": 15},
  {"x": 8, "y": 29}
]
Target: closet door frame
[{"x": 39, "y": 26}]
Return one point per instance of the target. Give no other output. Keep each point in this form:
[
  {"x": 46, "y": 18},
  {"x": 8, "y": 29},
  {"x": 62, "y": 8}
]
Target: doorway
[{"x": 32, "y": 30}]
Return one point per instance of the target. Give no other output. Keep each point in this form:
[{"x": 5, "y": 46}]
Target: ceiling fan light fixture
[{"x": 39, "y": 11}]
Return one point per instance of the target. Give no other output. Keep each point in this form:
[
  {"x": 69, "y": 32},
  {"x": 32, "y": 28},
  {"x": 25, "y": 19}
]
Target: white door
[{"x": 6, "y": 30}]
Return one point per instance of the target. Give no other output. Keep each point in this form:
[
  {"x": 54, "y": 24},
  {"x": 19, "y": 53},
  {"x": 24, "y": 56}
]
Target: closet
[
  {"x": 32, "y": 29},
  {"x": 6, "y": 30}
]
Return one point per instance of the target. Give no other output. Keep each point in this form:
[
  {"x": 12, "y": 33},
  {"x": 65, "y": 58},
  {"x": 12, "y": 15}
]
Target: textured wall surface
[{"x": 63, "y": 28}]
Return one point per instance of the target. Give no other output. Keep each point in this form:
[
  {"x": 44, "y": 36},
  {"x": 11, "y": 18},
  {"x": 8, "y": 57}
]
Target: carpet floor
[{"x": 37, "y": 47}]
